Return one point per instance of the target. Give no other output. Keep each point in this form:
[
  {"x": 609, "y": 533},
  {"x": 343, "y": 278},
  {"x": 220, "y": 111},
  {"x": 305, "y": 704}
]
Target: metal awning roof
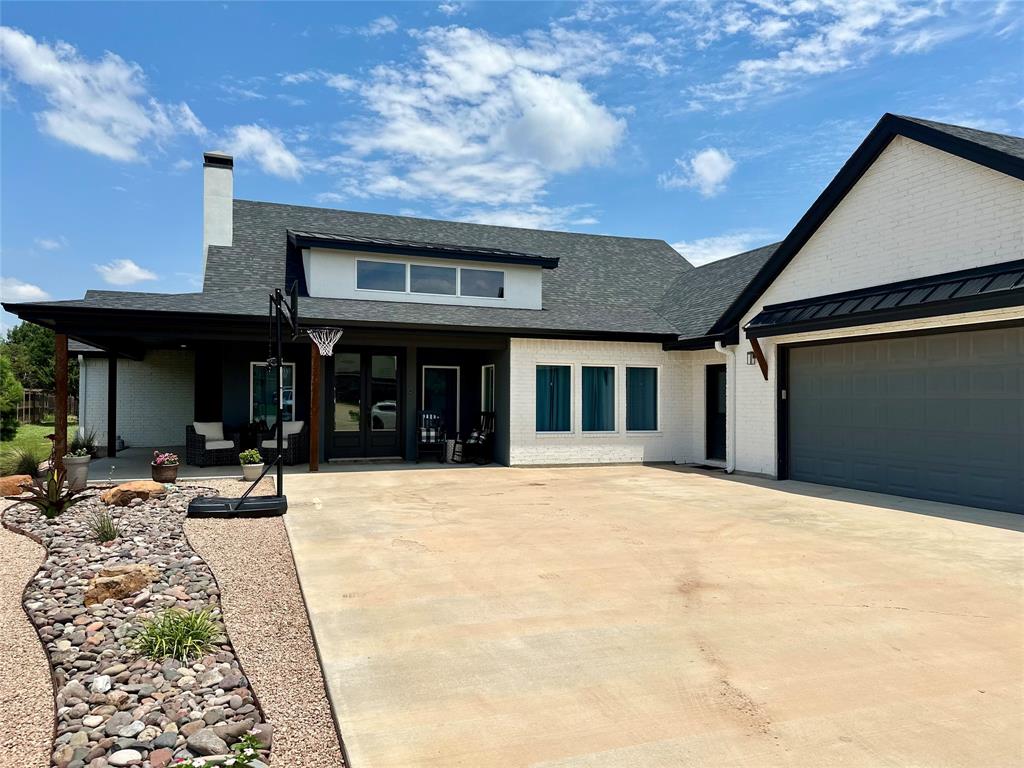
[
  {"x": 970, "y": 290},
  {"x": 305, "y": 239}
]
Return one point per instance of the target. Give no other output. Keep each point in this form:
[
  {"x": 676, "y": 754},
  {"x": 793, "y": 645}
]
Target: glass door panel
[
  {"x": 347, "y": 392},
  {"x": 383, "y": 393}
]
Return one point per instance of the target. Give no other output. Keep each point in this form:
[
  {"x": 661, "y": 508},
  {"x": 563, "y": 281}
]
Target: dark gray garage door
[{"x": 935, "y": 417}]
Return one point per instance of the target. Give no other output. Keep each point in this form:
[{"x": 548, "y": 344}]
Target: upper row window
[{"x": 441, "y": 281}]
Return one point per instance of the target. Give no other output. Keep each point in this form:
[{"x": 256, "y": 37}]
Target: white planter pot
[
  {"x": 77, "y": 468},
  {"x": 251, "y": 471}
]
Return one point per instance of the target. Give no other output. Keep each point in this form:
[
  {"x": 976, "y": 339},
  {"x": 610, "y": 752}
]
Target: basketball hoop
[{"x": 325, "y": 339}]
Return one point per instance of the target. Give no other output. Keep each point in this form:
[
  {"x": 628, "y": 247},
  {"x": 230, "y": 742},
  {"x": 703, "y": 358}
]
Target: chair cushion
[
  {"x": 292, "y": 427},
  {"x": 430, "y": 435},
  {"x": 216, "y": 445},
  {"x": 272, "y": 443},
  {"x": 211, "y": 430}
]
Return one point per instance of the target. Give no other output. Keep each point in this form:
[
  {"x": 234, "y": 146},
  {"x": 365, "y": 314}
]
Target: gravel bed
[
  {"x": 26, "y": 696},
  {"x": 115, "y": 708},
  {"x": 266, "y": 618}
]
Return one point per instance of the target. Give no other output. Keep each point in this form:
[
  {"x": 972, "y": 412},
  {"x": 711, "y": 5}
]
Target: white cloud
[
  {"x": 266, "y": 148},
  {"x": 51, "y": 243},
  {"x": 384, "y": 25},
  {"x": 182, "y": 165},
  {"x": 124, "y": 272},
  {"x": 707, "y": 171},
  {"x": 340, "y": 82},
  {"x": 451, "y": 8},
  {"x": 708, "y": 249},
  {"x": 480, "y": 120},
  {"x": 531, "y": 217},
  {"x": 13, "y": 289},
  {"x": 101, "y": 106}
]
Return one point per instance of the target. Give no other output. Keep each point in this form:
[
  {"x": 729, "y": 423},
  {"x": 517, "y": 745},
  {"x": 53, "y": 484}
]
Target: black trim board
[{"x": 888, "y": 128}]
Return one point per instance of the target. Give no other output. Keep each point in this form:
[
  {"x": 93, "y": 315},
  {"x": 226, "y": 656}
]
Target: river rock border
[{"x": 114, "y": 708}]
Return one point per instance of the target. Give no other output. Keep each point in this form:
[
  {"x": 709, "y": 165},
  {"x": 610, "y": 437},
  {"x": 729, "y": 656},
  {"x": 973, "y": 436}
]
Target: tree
[
  {"x": 30, "y": 348},
  {"x": 10, "y": 399}
]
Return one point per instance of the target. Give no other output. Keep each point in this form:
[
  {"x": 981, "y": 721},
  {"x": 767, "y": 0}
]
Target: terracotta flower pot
[
  {"x": 251, "y": 471},
  {"x": 77, "y": 468},
  {"x": 165, "y": 473}
]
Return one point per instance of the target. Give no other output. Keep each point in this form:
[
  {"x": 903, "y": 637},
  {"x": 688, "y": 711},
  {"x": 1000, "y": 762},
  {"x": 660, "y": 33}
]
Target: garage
[{"x": 937, "y": 416}]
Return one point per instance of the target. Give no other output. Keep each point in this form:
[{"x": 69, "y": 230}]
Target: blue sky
[{"x": 710, "y": 125}]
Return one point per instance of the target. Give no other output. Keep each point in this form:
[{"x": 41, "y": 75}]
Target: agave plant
[{"x": 55, "y": 498}]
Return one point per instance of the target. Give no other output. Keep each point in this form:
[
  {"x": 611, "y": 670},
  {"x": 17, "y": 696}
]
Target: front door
[
  {"x": 366, "y": 404},
  {"x": 714, "y": 412},
  {"x": 441, "y": 384}
]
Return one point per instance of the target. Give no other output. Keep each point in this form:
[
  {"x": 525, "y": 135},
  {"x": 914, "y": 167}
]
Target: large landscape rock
[
  {"x": 119, "y": 582},
  {"x": 122, "y": 495},
  {"x": 11, "y": 484}
]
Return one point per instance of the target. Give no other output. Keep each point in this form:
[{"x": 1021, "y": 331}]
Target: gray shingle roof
[
  {"x": 696, "y": 300},
  {"x": 1010, "y": 145}
]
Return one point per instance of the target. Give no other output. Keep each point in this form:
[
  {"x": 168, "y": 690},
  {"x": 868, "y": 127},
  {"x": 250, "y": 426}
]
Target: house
[{"x": 879, "y": 346}]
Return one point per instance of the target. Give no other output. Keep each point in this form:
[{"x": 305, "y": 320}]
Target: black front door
[
  {"x": 366, "y": 416},
  {"x": 714, "y": 411}
]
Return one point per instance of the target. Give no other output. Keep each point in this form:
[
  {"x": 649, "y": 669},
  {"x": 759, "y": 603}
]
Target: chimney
[{"x": 218, "y": 196}]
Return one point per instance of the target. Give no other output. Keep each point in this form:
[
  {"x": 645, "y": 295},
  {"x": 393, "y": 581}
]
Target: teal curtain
[
  {"x": 598, "y": 399},
  {"x": 553, "y": 400},
  {"x": 641, "y": 399}
]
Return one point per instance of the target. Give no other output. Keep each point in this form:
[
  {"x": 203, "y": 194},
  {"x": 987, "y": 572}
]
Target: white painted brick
[
  {"x": 681, "y": 382},
  {"x": 155, "y": 398},
  {"x": 917, "y": 211}
]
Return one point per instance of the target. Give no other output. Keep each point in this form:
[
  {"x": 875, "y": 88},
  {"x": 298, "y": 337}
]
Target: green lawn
[{"x": 30, "y": 437}]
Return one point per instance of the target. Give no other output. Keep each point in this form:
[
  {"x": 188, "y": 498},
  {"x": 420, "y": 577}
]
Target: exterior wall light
[{"x": 750, "y": 358}]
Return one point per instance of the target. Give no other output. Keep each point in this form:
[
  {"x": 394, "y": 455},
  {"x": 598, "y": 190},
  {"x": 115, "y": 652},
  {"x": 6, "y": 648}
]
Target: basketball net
[{"x": 325, "y": 339}]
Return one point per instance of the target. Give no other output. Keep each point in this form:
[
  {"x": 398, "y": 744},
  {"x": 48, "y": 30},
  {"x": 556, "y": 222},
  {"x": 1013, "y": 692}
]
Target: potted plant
[
  {"x": 76, "y": 465},
  {"x": 252, "y": 464},
  {"x": 165, "y": 467}
]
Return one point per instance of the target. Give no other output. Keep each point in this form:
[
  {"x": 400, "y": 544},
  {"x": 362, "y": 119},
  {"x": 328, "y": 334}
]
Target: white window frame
[
  {"x": 572, "y": 398},
  {"x": 458, "y": 390},
  {"x": 408, "y": 291},
  {"x": 615, "y": 400},
  {"x": 252, "y": 371},
  {"x": 625, "y": 401},
  {"x": 483, "y": 386}
]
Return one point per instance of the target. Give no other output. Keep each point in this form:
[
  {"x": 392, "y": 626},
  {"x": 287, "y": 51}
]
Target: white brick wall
[
  {"x": 681, "y": 389},
  {"x": 155, "y": 398},
  {"x": 917, "y": 211}
]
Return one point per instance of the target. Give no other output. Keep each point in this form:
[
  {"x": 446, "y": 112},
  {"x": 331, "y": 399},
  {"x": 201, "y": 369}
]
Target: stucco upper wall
[{"x": 916, "y": 211}]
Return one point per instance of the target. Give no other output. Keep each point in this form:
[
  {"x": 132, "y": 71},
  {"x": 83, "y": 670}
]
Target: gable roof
[{"x": 996, "y": 151}]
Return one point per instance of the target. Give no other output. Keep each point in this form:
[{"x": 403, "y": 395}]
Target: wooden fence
[{"x": 37, "y": 406}]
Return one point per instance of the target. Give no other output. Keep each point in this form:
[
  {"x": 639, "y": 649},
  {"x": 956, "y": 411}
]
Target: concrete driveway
[{"x": 639, "y": 616}]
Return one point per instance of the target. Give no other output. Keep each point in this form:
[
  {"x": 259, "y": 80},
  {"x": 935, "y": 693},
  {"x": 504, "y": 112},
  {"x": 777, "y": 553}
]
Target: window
[
  {"x": 380, "y": 276},
  {"x": 432, "y": 279},
  {"x": 598, "y": 399},
  {"x": 641, "y": 399},
  {"x": 487, "y": 388},
  {"x": 263, "y": 393},
  {"x": 487, "y": 283},
  {"x": 554, "y": 403}
]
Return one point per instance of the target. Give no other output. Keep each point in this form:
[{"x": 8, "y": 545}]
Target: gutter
[{"x": 730, "y": 405}]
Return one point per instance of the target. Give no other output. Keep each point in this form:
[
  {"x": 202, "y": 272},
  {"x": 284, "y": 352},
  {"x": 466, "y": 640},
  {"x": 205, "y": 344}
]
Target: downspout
[{"x": 730, "y": 405}]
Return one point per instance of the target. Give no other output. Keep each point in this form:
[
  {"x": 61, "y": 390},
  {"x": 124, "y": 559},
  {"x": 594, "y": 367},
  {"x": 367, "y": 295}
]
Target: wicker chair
[
  {"x": 296, "y": 443},
  {"x": 210, "y": 445},
  {"x": 430, "y": 436}
]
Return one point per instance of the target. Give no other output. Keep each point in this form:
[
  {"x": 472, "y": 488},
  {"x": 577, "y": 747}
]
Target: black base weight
[{"x": 249, "y": 506}]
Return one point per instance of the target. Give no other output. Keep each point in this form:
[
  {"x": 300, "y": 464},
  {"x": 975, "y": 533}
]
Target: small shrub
[
  {"x": 178, "y": 634},
  {"x": 251, "y": 456},
  {"x": 84, "y": 442},
  {"x": 77, "y": 453},
  {"x": 245, "y": 751},
  {"x": 54, "y": 499},
  {"x": 104, "y": 528},
  {"x": 20, "y": 462}
]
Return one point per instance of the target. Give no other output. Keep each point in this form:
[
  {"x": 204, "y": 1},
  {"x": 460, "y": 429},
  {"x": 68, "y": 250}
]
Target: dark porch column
[
  {"x": 111, "y": 404},
  {"x": 314, "y": 408},
  {"x": 60, "y": 407},
  {"x": 409, "y": 403}
]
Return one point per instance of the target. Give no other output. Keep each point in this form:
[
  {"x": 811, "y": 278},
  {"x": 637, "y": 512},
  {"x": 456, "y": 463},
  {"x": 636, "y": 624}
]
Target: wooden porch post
[
  {"x": 314, "y": 408},
  {"x": 60, "y": 407},
  {"x": 112, "y": 405}
]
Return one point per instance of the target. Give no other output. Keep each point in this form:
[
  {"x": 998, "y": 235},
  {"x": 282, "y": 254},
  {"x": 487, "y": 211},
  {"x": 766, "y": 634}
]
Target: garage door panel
[{"x": 938, "y": 417}]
